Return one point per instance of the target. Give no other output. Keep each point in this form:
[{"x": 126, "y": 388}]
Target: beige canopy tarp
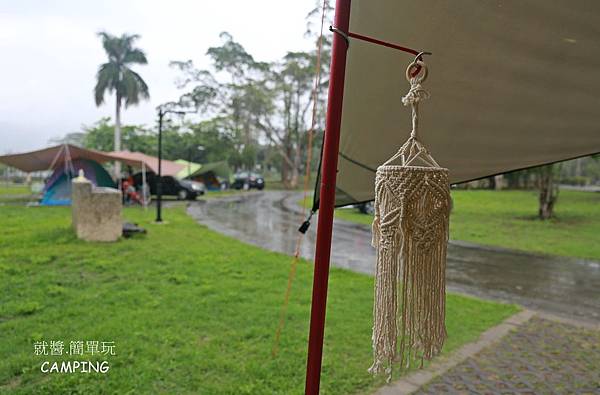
[
  {"x": 513, "y": 84},
  {"x": 168, "y": 168},
  {"x": 50, "y": 157}
]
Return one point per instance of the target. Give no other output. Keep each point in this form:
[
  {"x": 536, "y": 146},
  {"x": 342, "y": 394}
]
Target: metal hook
[
  {"x": 341, "y": 33},
  {"x": 420, "y": 56}
]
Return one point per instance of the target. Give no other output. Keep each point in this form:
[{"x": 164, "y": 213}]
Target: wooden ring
[{"x": 417, "y": 66}]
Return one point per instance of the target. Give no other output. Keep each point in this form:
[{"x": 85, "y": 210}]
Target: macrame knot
[
  {"x": 416, "y": 93},
  {"x": 424, "y": 238}
]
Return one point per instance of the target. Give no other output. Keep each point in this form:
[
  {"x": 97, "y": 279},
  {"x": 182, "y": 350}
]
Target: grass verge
[
  {"x": 14, "y": 189},
  {"x": 15, "y": 194},
  {"x": 508, "y": 219},
  {"x": 189, "y": 310}
]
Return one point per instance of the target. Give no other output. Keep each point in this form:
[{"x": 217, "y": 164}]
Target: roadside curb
[{"x": 414, "y": 380}]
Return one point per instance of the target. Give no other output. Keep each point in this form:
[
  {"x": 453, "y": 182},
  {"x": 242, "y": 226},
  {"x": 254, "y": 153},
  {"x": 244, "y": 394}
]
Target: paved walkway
[
  {"x": 540, "y": 356},
  {"x": 528, "y": 353}
]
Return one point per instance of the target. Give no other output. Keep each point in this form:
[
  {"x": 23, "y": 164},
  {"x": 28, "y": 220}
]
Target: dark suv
[
  {"x": 171, "y": 186},
  {"x": 248, "y": 180}
]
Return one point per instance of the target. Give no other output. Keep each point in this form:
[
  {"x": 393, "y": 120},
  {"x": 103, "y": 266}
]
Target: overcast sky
[{"x": 49, "y": 54}]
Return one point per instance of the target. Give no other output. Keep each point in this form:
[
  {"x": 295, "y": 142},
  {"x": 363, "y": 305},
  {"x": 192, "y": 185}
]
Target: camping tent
[
  {"x": 189, "y": 168},
  {"x": 65, "y": 161},
  {"x": 57, "y": 191},
  {"x": 61, "y": 157},
  {"x": 51, "y": 157},
  {"x": 212, "y": 174},
  {"x": 140, "y": 160}
]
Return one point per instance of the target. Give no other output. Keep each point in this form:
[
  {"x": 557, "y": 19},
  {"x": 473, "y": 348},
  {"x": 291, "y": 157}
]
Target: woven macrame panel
[{"x": 410, "y": 233}]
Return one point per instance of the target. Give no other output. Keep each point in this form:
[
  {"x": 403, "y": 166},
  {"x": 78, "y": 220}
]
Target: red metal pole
[{"x": 327, "y": 198}]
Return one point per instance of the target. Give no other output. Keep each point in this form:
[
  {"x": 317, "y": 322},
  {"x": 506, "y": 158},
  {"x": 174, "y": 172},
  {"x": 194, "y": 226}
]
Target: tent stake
[{"x": 327, "y": 199}]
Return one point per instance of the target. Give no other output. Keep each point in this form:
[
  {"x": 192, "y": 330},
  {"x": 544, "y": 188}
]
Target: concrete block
[{"x": 96, "y": 211}]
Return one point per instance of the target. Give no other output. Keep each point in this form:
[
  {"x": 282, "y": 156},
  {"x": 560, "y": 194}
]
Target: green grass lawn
[
  {"x": 273, "y": 182},
  {"x": 189, "y": 310},
  {"x": 353, "y": 215},
  {"x": 15, "y": 194},
  {"x": 6, "y": 191},
  {"x": 508, "y": 219}
]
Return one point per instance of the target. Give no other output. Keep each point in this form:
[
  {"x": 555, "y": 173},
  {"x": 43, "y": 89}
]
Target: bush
[{"x": 576, "y": 180}]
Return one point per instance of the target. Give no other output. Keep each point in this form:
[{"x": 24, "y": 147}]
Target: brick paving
[{"x": 538, "y": 357}]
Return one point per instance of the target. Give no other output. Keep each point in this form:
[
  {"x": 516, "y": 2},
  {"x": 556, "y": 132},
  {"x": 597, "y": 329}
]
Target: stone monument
[{"x": 96, "y": 211}]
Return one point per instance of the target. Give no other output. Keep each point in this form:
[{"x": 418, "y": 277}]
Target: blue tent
[{"x": 57, "y": 191}]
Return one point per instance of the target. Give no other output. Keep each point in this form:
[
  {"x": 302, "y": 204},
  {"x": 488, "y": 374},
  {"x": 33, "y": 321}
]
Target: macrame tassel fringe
[{"x": 410, "y": 233}]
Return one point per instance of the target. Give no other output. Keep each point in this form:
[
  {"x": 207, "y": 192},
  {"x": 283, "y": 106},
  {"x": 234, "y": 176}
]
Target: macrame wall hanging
[{"x": 410, "y": 233}]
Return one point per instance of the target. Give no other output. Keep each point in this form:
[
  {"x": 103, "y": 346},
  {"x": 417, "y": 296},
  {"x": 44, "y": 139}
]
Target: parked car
[
  {"x": 192, "y": 189},
  {"x": 248, "y": 180},
  {"x": 171, "y": 186},
  {"x": 366, "y": 208}
]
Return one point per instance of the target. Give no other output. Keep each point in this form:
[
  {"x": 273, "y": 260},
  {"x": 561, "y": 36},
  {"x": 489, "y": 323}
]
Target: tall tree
[
  {"x": 236, "y": 99},
  {"x": 548, "y": 190},
  {"x": 258, "y": 102},
  {"x": 100, "y": 135},
  {"x": 117, "y": 76},
  {"x": 293, "y": 94}
]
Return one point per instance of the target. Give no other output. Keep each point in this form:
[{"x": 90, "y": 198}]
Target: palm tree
[{"x": 117, "y": 76}]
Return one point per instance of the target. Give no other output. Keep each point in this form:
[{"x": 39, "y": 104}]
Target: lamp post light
[{"x": 161, "y": 114}]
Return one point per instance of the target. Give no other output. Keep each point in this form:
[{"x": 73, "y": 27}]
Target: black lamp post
[{"x": 161, "y": 114}]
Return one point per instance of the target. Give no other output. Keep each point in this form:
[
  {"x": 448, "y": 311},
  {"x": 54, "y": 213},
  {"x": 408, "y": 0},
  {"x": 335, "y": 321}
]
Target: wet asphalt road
[{"x": 561, "y": 286}]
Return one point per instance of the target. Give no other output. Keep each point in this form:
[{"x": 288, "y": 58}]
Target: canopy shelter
[
  {"x": 189, "y": 169},
  {"x": 147, "y": 163},
  {"x": 213, "y": 174},
  {"x": 513, "y": 85},
  {"x": 138, "y": 159},
  {"x": 64, "y": 161},
  {"x": 49, "y": 158},
  {"x": 52, "y": 157},
  {"x": 66, "y": 155}
]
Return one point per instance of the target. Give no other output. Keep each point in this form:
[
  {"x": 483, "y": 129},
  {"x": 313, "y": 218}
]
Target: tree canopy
[
  {"x": 263, "y": 106},
  {"x": 116, "y": 75}
]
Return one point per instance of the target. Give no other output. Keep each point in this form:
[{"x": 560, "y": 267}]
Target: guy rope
[{"x": 305, "y": 224}]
